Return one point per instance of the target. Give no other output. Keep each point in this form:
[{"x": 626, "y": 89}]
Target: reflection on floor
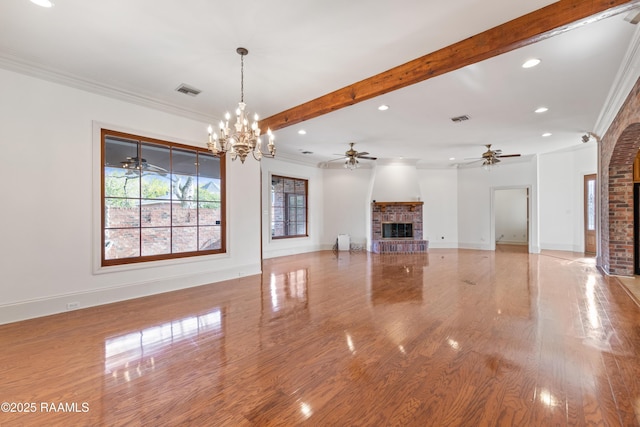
[{"x": 452, "y": 337}]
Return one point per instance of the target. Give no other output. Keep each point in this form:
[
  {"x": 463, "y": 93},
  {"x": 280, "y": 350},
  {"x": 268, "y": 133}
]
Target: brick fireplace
[{"x": 399, "y": 217}]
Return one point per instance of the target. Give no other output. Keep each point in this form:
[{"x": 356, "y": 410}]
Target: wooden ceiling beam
[{"x": 541, "y": 24}]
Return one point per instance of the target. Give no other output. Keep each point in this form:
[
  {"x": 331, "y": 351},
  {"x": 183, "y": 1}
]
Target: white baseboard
[
  {"x": 483, "y": 246},
  {"x": 57, "y": 304},
  {"x": 442, "y": 245},
  {"x": 561, "y": 247},
  {"x": 275, "y": 253}
]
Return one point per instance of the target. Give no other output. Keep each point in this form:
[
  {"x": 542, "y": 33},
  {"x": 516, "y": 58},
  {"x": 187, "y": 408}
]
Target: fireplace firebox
[{"x": 397, "y": 230}]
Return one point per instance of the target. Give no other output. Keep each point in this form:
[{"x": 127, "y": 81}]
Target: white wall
[
  {"x": 280, "y": 247},
  {"x": 561, "y": 197},
  {"x": 51, "y": 202},
  {"x": 439, "y": 189},
  {"x": 395, "y": 182},
  {"x": 346, "y": 205}
]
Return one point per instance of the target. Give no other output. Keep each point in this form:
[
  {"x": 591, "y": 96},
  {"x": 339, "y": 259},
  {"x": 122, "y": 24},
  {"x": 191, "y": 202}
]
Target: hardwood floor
[{"x": 448, "y": 338}]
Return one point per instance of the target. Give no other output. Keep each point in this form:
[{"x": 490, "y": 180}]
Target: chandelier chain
[{"x": 242, "y": 77}]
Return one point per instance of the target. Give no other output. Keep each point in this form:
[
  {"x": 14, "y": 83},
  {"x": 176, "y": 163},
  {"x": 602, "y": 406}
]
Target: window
[
  {"x": 288, "y": 207},
  {"x": 160, "y": 200}
]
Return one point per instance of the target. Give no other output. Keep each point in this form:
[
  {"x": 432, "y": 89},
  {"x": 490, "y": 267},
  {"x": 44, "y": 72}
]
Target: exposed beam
[{"x": 549, "y": 21}]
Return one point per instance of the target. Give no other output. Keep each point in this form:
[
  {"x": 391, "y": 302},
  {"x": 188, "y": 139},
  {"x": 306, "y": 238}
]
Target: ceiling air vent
[
  {"x": 188, "y": 90},
  {"x": 460, "y": 119}
]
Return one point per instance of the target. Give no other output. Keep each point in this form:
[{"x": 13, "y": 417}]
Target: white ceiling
[{"x": 142, "y": 50}]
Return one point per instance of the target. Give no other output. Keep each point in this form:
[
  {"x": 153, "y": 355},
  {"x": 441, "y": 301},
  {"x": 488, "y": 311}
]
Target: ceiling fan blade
[
  {"x": 335, "y": 160},
  {"x": 508, "y": 155},
  {"x": 367, "y": 157},
  {"x": 361, "y": 153}
]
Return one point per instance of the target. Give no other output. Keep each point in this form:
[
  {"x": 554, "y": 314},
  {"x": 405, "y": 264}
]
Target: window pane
[
  {"x": 301, "y": 216},
  {"x": 591, "y": 204},
  {"x": 156, "y": 214},
  {"x": 121, "y": 213},
  {"x": 278, "y": 200},
  {"x": 208, "y": 213},
  {"x": 184, "y": 162},
  {"x": 184, "y": 215},
  {"x": 278, "y": 184},
  {"x": 292, "y": 230},
  {"x": 119, "y": 182},
  {"x": 122, "y": 243},
  {"x": 289, "y": 186},
  {"x": 156, "y": 186},
  {"x": 208, "y": 189},
  {"x": 300, "y": 186},
  {"x": 184, "y": 188},
  {"x": 277, "y": 229},
  {"x": 120, "y": 153},
  {"x": 302, "y": 229},
  {"x": 156, "y": 241},
  {"x": 209, "y": 167},
  {"x": 209, "y": 238},
  {"x": 185, "y": 239},
  {"x": 155, "y": 159}
]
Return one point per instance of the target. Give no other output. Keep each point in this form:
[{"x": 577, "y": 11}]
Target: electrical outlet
[{"x": 73, "y": 305}]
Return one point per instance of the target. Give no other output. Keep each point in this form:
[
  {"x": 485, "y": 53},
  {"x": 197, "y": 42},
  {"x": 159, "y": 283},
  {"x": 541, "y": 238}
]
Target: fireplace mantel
[{"x": 383, "y": 205}]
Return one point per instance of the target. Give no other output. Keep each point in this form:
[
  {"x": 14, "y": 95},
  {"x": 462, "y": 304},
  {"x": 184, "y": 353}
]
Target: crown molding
[
  {"x": 626, "y": 78},
  {"x": 20, "y": 65}
]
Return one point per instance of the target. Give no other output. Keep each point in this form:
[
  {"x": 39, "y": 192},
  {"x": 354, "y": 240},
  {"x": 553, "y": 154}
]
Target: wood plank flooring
[{"x": 448, "y": 338}]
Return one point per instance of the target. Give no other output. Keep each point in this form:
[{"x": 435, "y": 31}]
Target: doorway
[
  {"x": 590, "y": 238},
  {"x": 511, "y": 216}
]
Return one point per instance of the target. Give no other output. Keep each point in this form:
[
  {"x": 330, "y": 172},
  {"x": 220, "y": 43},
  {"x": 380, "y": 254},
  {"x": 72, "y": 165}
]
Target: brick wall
[
  {"x": 617, "y": 151},
  {"x": 131, "y": 231}
]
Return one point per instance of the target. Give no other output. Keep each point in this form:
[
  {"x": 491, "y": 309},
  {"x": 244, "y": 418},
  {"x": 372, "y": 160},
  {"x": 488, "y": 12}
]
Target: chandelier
[{"x": 242, "y": 138}]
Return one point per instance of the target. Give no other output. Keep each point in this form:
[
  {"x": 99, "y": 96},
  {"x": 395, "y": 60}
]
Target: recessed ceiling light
[
  {"x": 546, "y": 134},
  {"x": 302, "y": 132},
  {"x": 43, "y": 3},
  {"x": 452, "y": 158},
  {"x": 530, "y": 63},
  {"x": 383, "y": 107},
  {"x": 542, "y": 110}
]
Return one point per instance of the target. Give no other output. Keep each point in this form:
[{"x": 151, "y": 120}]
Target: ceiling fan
[
  {"x": 352, "y": 156},
  {"x": 491, "y": 157},
  {"x": 141, "y": 164}
]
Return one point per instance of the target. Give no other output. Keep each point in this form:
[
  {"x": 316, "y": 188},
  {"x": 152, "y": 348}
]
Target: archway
[{"x": 617, "y": 151}]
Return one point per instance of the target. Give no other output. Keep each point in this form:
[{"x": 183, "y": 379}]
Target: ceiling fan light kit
[
  {"x": 492, "y": 157},
  {"x": 242, "y": 138},
  {"x": 352, "y": 156}
]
